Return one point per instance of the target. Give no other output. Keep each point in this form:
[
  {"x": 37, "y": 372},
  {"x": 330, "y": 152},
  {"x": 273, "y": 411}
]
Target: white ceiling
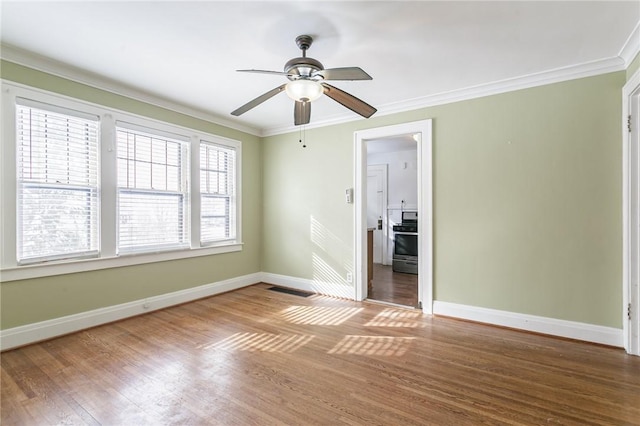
[{"x": 184, "y": 54}]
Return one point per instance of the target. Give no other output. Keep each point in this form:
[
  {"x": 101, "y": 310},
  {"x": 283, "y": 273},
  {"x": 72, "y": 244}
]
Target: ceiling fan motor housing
[{"x": 302, "y": 67}]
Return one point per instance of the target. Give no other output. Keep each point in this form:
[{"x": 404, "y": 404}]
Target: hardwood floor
[
  {"x": 255, "y": 356},
  {"x": 394, "y": 287}
]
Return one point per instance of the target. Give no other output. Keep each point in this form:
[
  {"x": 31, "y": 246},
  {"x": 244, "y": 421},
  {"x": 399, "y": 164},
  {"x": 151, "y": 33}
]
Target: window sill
[{"x": 72, "y": 266}]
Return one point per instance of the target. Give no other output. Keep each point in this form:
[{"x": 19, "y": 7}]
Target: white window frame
[
  {"x": 9, "y": 268},
  {"x": 184, "y": 180},
  {"x": 93, "y": 148},
  {"x": 234, "y": 197}
]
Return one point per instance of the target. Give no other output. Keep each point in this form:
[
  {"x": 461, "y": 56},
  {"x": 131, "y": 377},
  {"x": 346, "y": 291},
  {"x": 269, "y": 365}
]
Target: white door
[
  {"x": 377, "y": 210},
  {"x": 631, "y": 215}
]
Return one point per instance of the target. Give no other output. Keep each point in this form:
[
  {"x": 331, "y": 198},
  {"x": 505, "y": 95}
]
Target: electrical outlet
[{"x": 349, "y": 277}]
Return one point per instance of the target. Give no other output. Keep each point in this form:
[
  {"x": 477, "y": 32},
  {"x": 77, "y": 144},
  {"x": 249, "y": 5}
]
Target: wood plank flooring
[
  {"x": 257, "y": 357},
  {"x": 393, "y": 287}
]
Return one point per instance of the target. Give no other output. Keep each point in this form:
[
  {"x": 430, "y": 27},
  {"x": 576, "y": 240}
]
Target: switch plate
[{"x": 349, "y": 195}]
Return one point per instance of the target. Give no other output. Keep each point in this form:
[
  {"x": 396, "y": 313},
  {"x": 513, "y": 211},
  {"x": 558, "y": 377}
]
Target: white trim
[
  {"x": 236, "y": 198},
  {"x": 631, "y": 47},
  {"x": 508, "y": 85},
  {"x": 572, "y": 72},
  {"x": 313, "y": 286},
  {"x": 78, "y": 75},
  {"x": 83, "y": 265},
  {"x": 537, "y": 324},
  {"x": 631, "y": 214},
  {"x": 422, "y": 128},
  {"x": 9, "y": 271},
  {"x": 31, "y": 333}
]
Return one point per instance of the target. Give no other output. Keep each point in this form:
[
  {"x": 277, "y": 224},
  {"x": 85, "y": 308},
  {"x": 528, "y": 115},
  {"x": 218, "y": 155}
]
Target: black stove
[
  {"x": 405, "y": 227},
  {"x": 405, "y": 244},
  {"x": 409, "y": 223}
]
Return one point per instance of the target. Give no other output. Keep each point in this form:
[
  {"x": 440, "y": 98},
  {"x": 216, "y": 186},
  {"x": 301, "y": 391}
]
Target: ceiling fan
[{"x": 307, "y": 82}]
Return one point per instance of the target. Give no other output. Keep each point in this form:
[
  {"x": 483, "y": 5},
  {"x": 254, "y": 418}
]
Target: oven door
[
  {"x": 405, "y": 244},
  {"x": 405, "y": 252}
]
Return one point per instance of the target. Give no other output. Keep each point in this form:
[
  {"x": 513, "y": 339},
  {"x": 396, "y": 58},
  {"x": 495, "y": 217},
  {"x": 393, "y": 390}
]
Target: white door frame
[
  {"x": 631, "y": 214},
  {"x": 385, "y": 210},
  {"x": 423, "y": 130}
]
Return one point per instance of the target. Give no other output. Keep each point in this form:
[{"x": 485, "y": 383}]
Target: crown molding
[
  {"x": 557, "y": 75},
  {"x": 544, "y": 78},
  {"x": 78, "y": 75},
  {"x": 589, "y": 69},
  {"x": 631, "y": 47}
]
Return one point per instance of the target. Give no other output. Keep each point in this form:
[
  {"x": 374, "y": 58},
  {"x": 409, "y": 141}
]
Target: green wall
[
  {"x": 527, "y": 200},
  {"x": 527, "y": 206},
  {"x": 33, "y": 300}
]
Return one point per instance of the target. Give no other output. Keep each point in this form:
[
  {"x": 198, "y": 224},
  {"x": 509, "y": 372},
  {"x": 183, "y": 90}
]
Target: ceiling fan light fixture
[
  {"x": 307, "y": 82},
  {"x": 304, "y": 90}
]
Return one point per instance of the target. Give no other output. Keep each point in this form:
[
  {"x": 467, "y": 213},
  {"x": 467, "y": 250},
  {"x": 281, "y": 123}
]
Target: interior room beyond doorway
[{"x": 392, "y": 189}]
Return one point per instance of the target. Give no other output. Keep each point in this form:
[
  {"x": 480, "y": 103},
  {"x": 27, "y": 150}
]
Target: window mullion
[
  {"x": 108, "y": 187},
  {"x": 8, "y": 183},
  {"x": 195, "y": 191}
]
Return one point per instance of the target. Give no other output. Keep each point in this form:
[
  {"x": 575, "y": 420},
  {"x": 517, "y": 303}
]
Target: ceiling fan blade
[
  {"x": 302, "y": 113},
  {"x": 265, "y": 72},
  {"x": 354, "y": 104},
  {"x": 349, "y": 73},
  {"x": 257, "y": 101}
]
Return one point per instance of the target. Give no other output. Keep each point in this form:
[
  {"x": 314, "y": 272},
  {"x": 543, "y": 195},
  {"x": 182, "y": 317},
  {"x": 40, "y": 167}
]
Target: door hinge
[
  {"x": 629, "y": 123},
  {"x": 629, "y": 311}
]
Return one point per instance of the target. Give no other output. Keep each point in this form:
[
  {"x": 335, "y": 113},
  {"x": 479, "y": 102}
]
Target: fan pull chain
[{"x": 303, "y": 135}]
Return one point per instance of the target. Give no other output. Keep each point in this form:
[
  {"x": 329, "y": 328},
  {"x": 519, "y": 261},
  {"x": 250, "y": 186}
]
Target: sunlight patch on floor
[
  {"x": 318, "y": 315},
  {"x": 373, "y": 345},
  {"x": 263, "y": 342},
  {"x": 397, "y": 318}
]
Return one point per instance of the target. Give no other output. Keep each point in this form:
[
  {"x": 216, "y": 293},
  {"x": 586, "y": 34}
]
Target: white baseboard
[
  {"x": 31, "y": 333},
  {"x": 313, "y": 286},
  {"x": 555, "y": 327}
]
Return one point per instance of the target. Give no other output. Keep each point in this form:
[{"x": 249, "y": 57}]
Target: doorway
[
  {"x": 421, "y": 132},
  {"x": 392, "y": 190},
  {"x": 631, "y": 214}
]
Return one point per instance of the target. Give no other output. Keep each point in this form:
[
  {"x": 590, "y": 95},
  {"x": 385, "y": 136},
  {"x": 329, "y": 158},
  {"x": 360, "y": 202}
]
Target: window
[
  {"x": 217, "y": 192},
  {"x": 152, "y": 191},
  {"x": 57, "y": 177},
  {"x": 86, "y": 187}
]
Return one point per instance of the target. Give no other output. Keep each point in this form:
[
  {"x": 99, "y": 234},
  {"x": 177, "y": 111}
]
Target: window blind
[
  {"x": 152, "y": 191},
  {"x": 217, "y": 192},
  {"x": 57, "y": 177}
]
